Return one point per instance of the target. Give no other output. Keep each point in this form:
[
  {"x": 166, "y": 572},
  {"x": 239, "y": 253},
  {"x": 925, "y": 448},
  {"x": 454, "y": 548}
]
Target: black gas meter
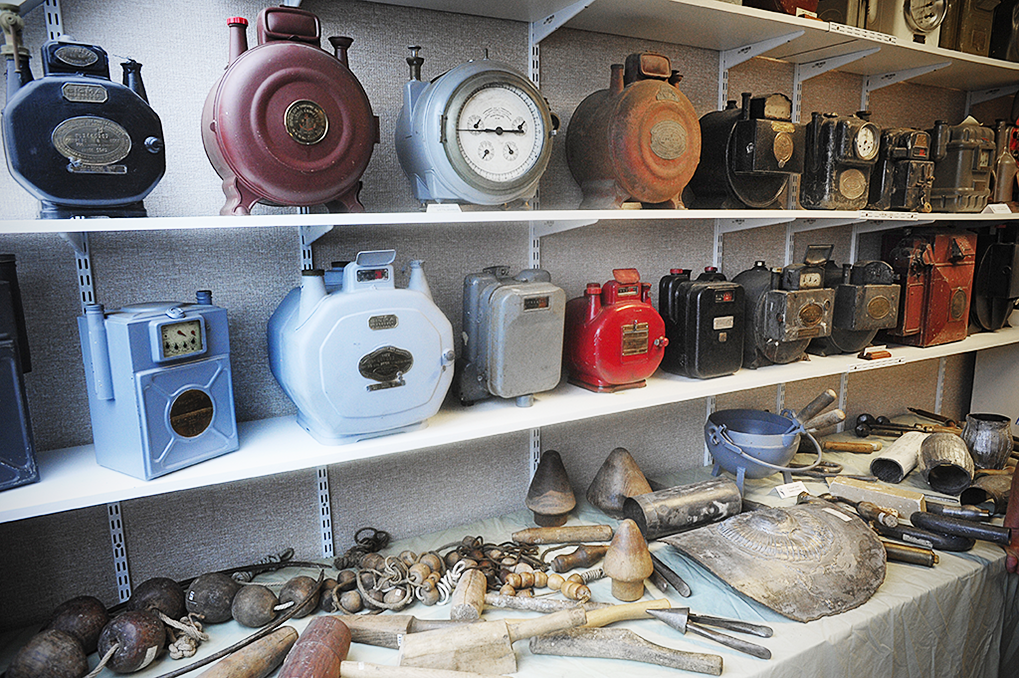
[
  {"x": 996, "y": 280},
  {"x": 866, "y": 300},
  {"x": 902, "y": 178},
  {"x": 704, "y": 322},
  {"x": 82, "y": 144},
  {"x": 786, "y": 308},
  {"x": 748, "y": 153},
  {"x": 963, "y": 157},
  {"x": 840, "y": 154}
]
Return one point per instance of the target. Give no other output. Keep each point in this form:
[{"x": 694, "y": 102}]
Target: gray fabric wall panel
[
  {"x": 763, "y": 398},
  {"x": 741, "y": 249},
  {"x": 49, "y": 559},
  {"x": 662, "y": 439},
  {"x": 428, "y": 490},
  {"x": 839, "y": 236},
  {"x": 958, "y": 388},
  {"x": 185, "y": 534},
  {"x": 891, "y": 390}
]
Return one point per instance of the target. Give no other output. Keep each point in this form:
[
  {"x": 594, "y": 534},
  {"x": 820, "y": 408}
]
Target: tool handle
[
  {"x": 614, "y": 613},
  {"x": 735, "y": 643},
  {"x": 572, "y": 534},
  {"x": 825, "y": 420},
  {"x": 622, "y": 644},
  {"x": 733, "y": 625},
  {"x": 564, "y": 619},
  {"x": 814, "y": 407},
  {"x": 468, "y": 598},
  {"x": 349, "y": 669},
  {"x": 586, "y": 555},
  {"x": 926, "y": 538},
  {"x": 966, "y": 512},
  {"x": 904, "y": 553},
  {"x": 960, "y": 527},
  {"x": 257, "y": 660},
  {"x": 859, "y": 447}
]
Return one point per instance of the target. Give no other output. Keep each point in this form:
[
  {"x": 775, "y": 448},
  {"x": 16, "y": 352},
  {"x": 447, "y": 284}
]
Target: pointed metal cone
[
  {"x": 618, "y": 478},
  {"x": 628, "y": 562},
  {"x": 676, "y": 617},
  {"x": 550, "y": 495}
]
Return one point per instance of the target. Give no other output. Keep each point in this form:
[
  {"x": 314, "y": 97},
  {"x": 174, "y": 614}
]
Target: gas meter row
[
  {"x": 361, "y": 358},
  {"x": 288, "y": 123}
]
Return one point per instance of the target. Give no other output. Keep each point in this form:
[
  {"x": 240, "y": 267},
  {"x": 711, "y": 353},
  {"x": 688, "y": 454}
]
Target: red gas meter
[
  {"x": 288, "y": 123},
  {"x": 615, "y": 338}
]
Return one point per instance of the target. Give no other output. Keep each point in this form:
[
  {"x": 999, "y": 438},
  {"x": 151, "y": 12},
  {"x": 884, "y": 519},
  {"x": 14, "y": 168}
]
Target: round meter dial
[
  {"x": 497, "y": 131},
  {"x": 923, "y": 16},
  {"x": 866, "y": 142}
]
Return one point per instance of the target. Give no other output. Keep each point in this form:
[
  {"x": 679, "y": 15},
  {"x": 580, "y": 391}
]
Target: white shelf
[
  {"x": 569, "y": 218},
  {"x": 71, "y": 479},
  {"x": 709, "y": 24}
]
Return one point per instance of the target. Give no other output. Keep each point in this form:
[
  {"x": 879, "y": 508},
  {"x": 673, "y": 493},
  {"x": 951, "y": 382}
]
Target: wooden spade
[{"x": 487, "y": 647}]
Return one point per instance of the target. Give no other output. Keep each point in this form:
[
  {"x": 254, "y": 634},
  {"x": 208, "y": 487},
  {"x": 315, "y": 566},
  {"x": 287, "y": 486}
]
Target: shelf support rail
[
  {"x": 325, "y": 511},
  {"x": 875, "y": 82},
  {"x": 54, "y": 20},
  {"x": 83, "y": 267},
  {"x": 802, "y": 225},
  {"x": 901, "y": 219},
  {"x": 805, "y": 71},
  {"x": 534, "y": 453},
  {"x": 980, "y": 96},
  {"x": 733, "y": 57},
  {"x": 116, "y": 524},
  {"x": 310, "y": 234},
  {"x": 723, "y": 226}
]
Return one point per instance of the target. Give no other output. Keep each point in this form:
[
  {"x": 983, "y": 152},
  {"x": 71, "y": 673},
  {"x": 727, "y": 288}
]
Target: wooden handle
[
  {"x": 573, "y": 534},
  {"x": 614, "y": 613},
  {"x": 385, "y": 630},
  {"x": 816, "y": 405},
  {"x": 320, "y": 650},
  {"x": 622, "y": 644},
  {"x": 349, "y": 669},
  {"x": 861, "y": 447},
  {"x": 525, "y": 628},
  {"x": 468, "y": 599},
  {"x": 825, "y": 420},
  {"x": 258, "y": 659},
  {"x": 585, "y": 556}
]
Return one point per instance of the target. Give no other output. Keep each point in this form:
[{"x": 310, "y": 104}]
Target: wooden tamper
[
  {"x": 550, "y": 495},
  {"x": 628, "y": 562},
  {"x": 618, "y": 478}
]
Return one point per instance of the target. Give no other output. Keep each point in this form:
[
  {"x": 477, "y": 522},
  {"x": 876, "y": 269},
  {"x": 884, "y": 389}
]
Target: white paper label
[
  {"x": 724, "y": 322},
  {"x": 997, "y": 208},
  {"x": 442, "y": 207},
  {"x": 791, "y": 489}
]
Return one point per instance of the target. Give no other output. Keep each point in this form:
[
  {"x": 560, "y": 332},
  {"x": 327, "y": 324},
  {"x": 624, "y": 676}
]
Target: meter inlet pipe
[{"x": 102, "y": 377}]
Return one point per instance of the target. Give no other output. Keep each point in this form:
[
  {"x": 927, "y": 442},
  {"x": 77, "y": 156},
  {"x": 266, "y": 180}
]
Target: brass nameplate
[
  {"x": 668, "y": 140},
  {"x": 635, "y": 337},
  {"x": 383, "y": 322},
  {"x": 76, "y": 55},
  {"x": 86, "y": 94},
  {"x": 306, "y": 122},
  {"x": 92, "y": 140}
]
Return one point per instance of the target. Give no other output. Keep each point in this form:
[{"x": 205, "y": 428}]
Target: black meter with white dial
[{"x": 479, "y": 133}]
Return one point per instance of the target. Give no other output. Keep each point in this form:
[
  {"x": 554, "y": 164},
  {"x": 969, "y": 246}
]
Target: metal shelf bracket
[
  {"x": 805, "y": 71},
  {"x": 723, "y": 226},
  {"x": 802, "y": 225},
  {"x": 737, "y": 55},
  {"x": 979, "y": 96},
  {"x": 550, "y": 24},
  {"x": 875, "y": 82}
]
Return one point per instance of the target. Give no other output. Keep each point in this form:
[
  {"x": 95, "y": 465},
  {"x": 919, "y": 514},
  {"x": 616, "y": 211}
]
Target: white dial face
[
  {"x": 500, "y": 132},
  {"x": 181, "y": 338},
  {"x": 924, "y": 16},
  {"x": 866, "y": 143}
]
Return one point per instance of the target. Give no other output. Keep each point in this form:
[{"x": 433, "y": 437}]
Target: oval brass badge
[
  {"x": 91, "y": 139},
  {"x": 668, "y": 140},
  {"x": 306, "y": 122},
  {"x": 811, "y": 314},
  {"x": 385, "y": 364},
  {"x": 852, "y": 183},
  {"x": 879, "y": 307},
  {"x": 957, "y": 306},
  {"x": 76, "y": 55}
]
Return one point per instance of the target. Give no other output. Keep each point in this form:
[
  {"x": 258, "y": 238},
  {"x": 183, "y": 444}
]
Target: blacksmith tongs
[{"x": 681, "y": 619}]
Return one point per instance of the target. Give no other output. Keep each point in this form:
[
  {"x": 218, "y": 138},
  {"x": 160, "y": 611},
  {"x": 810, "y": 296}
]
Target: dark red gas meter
[
  {"x": 288, "y": 123},
  {"x": 935, "y": 270},
  {"x": 615, "y": 338}
]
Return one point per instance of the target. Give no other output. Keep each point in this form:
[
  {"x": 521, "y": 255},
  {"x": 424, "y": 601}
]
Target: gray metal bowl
[{"x": 753, "y": 443}]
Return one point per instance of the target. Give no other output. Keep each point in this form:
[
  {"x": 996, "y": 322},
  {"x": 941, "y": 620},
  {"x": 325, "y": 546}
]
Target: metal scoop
[{"x": 681, "y": 619}]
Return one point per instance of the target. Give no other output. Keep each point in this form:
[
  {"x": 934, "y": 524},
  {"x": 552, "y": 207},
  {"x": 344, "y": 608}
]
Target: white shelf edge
[
  {"x": 754, "y": 217},
  {"x": 71, "y": 479}
]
